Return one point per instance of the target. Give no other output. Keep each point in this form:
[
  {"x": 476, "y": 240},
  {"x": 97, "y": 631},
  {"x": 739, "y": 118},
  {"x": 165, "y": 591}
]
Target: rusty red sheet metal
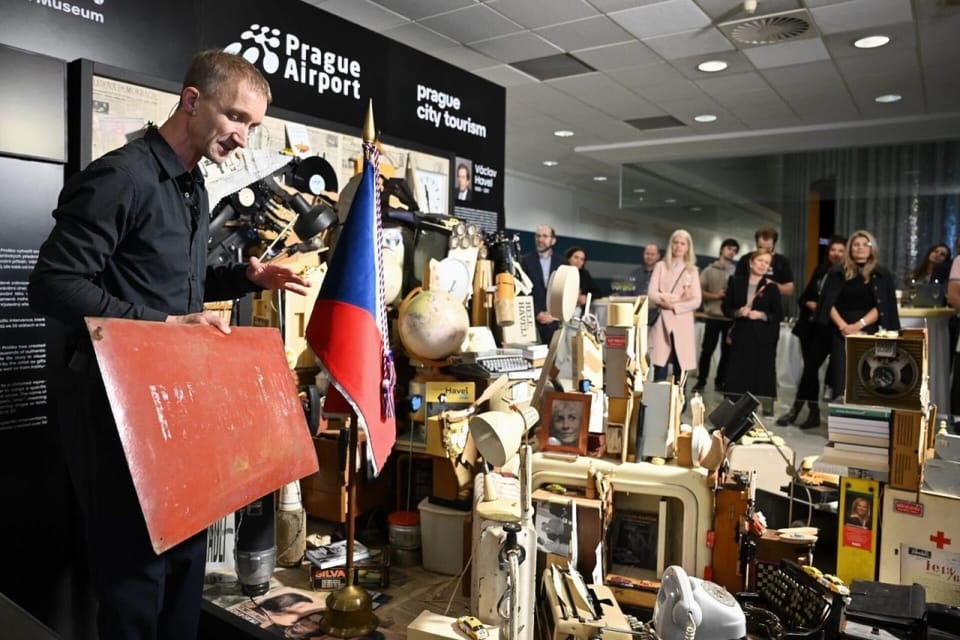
[{"x": 209, "y": 422}]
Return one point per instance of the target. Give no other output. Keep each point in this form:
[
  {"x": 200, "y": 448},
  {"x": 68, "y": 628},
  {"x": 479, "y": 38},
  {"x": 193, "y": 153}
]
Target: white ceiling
[{"x": 811, "y": 92}]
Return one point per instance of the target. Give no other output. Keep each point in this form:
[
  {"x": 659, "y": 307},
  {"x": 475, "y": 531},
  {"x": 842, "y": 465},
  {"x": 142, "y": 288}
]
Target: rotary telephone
[{"x": 690, "y": 608}]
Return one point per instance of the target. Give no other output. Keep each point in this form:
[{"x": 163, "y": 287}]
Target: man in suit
[
  {"x": 538, "y": 266},
  {"x": 463, "y": 182}
]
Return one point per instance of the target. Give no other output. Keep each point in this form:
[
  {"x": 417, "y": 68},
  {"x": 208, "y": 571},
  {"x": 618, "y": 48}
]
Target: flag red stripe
[{"x": 354, "y": 364}]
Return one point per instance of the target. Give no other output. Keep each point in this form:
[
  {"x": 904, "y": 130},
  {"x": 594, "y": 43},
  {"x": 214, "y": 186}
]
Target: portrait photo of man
[{"x": 463, "y": 183}]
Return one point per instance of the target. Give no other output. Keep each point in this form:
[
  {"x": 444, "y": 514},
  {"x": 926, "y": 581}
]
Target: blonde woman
[
  {"x": 675, "y": 288},
  {"x": 858, "y": 296}
]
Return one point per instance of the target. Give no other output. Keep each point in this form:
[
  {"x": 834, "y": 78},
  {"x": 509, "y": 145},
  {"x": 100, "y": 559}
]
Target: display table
[{"x": 937, "y": 323}]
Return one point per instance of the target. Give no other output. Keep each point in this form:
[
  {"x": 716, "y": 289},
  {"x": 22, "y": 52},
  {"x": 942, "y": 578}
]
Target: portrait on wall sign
[{"x": 463, "y": 180}]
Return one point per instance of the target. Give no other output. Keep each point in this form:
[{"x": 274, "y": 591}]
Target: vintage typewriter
[
  {"x": 492, "y": 364},
  {"x": 791, "y": 604}
]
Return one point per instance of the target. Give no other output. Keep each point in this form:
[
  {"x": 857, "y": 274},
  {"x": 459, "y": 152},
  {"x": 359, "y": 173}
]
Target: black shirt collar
[{"x": 168, "y": 159}]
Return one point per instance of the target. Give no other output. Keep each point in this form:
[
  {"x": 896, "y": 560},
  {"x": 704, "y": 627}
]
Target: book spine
[{"x": 859, "y": 411}]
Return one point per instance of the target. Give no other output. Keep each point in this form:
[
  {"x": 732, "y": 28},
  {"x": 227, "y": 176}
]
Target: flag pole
[{"x": 350, "y": 609}]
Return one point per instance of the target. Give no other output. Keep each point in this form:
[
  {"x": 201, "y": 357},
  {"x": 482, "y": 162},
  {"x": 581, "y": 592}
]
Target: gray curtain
[{"x": 907, "y": 195}]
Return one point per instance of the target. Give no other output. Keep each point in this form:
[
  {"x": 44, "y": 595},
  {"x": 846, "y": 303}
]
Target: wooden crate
[{"x": 908, "y": 436}]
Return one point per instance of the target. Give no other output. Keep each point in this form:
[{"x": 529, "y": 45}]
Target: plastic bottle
[{"x": 696, "y": 409}]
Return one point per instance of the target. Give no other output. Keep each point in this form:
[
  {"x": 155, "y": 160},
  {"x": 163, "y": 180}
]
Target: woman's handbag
[{"x": 653, "y": 313}]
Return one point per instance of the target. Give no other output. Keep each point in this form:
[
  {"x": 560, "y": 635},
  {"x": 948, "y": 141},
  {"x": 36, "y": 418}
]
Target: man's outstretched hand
[{"x": 271, "y": 276}]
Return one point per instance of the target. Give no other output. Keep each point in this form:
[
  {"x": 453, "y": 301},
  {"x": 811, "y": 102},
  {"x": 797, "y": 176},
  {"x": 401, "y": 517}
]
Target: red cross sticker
[{"x": 940, "y": 540}]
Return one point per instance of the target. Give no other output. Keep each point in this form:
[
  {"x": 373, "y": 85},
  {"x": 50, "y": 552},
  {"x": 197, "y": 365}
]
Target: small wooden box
[
  {"x": 908, "y": 436},
  {"x": 325, "y": 492}
]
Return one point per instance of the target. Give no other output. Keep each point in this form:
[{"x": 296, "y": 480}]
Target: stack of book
[{"x": 859, "y": 440}]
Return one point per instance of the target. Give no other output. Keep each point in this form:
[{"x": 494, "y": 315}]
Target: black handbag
[{"x": 653, "y": 314}]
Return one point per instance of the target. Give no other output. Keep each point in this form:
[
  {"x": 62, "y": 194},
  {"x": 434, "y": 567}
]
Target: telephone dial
[{"x": 694, "y": 609}]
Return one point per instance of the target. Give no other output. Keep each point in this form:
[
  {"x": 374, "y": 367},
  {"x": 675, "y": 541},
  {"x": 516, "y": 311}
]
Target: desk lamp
[{"x": 498, "y": 436}]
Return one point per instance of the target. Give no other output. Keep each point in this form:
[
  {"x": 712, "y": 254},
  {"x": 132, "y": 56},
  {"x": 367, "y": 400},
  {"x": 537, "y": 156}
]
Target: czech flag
[{"x": 347, "y": 329}]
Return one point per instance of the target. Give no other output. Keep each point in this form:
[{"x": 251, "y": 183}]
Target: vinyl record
[{"x": 314, "y": 175}]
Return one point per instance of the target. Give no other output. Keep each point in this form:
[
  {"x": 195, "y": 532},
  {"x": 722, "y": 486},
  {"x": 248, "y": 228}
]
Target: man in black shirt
[
  {"x": 780, "y": 272},
  {"x": 130, "y": 241}
]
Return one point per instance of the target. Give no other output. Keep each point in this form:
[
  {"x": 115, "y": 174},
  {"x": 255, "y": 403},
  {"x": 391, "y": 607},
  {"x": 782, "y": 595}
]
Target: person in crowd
[
  {"x": 675, "y": 288},
  {"x": 859, "y": 514},
  {"x": 953, "y": 299},
  {"x": 780, "y": 271},
  {"x": 130, "y": 241},
  {"x": 577, "y": 257},
  {"x": 641, "y": 275},
  {"x": 935, "y": 267},
  {"x": 753, "y": 301},
  {"x": 713, "y": 283},
  {"x": 538, "y": 266},
  {"x": 858, "y": 296},
  {"x": 815, "y": 342}
]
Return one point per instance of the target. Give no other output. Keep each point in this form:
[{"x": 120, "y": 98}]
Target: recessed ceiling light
[
  {"x": 712, "y": 66},
  {"x": 639, "y": 190},
  {"x": 563, "y": 133},
  {"x": 694, "y": 208},
  {"x": 600, "y": 178},
  {"x": 888, "y": 97},
  {"x": 550, "y": 163},
  {"x": 871, "y": 42},
  {"x": 670, "y": 200},
  {"x": 705, "y": 117}
]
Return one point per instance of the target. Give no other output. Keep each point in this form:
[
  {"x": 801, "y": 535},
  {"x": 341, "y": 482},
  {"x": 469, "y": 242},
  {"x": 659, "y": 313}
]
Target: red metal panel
[{"x": 209, "y": 422}]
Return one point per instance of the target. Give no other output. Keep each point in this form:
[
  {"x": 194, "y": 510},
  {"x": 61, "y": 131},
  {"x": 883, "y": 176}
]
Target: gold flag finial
[{"x": 369, "y": 132}]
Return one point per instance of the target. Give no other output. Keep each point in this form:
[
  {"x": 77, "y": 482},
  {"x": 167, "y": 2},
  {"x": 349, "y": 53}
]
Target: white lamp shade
[{"x": 497, "y": 435}]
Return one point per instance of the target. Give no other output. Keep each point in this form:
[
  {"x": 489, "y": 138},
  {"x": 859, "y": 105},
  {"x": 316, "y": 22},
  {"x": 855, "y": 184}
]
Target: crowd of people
[{"x": 742, "y": 305}]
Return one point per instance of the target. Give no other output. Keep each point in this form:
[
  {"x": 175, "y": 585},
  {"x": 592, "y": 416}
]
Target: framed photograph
[
  {"x": 634, "y": 539},
  {"x": 556, "y": 526},
  {"x": 566, "y": 422}
]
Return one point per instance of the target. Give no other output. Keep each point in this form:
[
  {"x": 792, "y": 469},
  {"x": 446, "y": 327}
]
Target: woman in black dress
[
  {"x": 753, "y": 301},
  {"x": 577, "y": 257},
  {"x": 857, "y": 297},
  {"x": 815, "y": 342}
]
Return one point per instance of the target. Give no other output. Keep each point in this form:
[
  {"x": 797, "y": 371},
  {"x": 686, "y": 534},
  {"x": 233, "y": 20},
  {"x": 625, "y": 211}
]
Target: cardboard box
[{"x": 372, "y": 572}]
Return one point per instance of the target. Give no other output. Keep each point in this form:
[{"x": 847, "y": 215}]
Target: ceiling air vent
[{"x": 770, "y": 29}]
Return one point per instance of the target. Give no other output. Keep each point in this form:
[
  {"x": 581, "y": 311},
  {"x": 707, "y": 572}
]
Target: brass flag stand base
[{"x": 350, "y": 609}]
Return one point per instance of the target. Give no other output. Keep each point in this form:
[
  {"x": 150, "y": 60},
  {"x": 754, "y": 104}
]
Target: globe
[{"x": 432, "y": 324}]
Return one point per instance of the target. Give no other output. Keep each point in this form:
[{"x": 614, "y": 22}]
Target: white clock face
[
  {"x": 434, "y": 196},
  {"x": 453, "y": 276}
]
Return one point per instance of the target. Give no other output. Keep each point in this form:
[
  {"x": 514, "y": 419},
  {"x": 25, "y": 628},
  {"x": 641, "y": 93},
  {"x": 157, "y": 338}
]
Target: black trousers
[
  {"x": 660, "y": 373},
  {"x": 815, "y": 348},
  {"x": 140, "y": 594},
  {"x": 713, "y": 331}
]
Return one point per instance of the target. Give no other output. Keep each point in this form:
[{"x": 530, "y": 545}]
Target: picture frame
[
  {"x": 565, "y": 422},
  {"x": 634, "y": 539}
]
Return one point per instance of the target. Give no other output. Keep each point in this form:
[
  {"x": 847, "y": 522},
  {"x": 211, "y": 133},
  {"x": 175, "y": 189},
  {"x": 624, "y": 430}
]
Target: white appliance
[{"x": 495, "y": 597}]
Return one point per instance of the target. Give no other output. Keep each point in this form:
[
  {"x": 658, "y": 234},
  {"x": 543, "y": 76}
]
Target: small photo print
[{"x": 555, "y": 523}]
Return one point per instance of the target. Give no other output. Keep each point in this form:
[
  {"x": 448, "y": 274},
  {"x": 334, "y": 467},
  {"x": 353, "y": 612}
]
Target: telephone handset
[{"x": 689, "y": 608}]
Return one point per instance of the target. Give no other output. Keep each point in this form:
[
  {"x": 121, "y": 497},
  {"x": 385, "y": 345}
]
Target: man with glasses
[{"x": 538, "y": 266}]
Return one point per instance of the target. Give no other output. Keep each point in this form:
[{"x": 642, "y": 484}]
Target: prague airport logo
[
  {"x": 262, "y": 36},
  {"x": 323, "y": 70}
]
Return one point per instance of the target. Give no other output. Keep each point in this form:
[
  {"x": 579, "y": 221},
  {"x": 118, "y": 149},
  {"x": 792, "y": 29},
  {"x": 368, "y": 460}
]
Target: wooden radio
[{"x": 888, "y": 371}]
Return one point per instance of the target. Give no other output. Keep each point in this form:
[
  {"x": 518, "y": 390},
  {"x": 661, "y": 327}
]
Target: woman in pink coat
[{"x": 675, "y": 289}]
